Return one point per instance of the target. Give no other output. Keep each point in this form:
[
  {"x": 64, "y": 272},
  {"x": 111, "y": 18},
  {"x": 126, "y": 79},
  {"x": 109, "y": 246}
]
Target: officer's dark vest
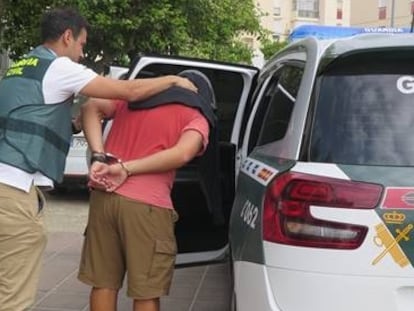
[{"x": 34, "y": 136}]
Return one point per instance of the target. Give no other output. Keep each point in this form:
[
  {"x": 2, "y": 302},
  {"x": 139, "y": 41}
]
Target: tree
[
  {"x": 269, "y": 47},
  {"x": 123, "y": 28}
]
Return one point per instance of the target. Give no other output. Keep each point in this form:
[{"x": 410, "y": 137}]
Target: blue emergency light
[{"x": 331, "y": 32}]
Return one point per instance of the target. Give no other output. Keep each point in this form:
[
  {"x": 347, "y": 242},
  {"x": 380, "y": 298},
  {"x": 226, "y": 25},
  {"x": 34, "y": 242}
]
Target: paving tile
[
  {"x": 72, "y": 284},
  {"x": 219, "y": 268},
  {"x": 175, "y": 304},
  {"x": 57, "y": 271},
  {"x": 194, "y": 288},
  {"x": 52, "y": 309},
  {"x": 213, "y": 294},
  {"x": 65, "y": 301},
  {"x": 66, "y": 245},
  {"x": 40, "y": 295},
  {"x": 124, "y": 304},
  {"x": 182, "y": 291},
  {"x": 186, "y": 281},
  {"x": 216, "y": 282},
  {"x": 209, "y": 305},
  {"x": 198, "y": 288},
  {"x": 195, "y": 270}
]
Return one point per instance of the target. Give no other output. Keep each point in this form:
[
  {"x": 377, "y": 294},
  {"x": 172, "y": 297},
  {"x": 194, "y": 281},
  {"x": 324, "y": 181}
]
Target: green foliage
[
  {"x": 269, "y": 48},
  {"x": 123, "y": 28}
]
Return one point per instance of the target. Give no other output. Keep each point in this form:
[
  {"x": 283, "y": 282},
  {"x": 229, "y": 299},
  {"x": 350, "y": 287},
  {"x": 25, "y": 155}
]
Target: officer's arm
[{"x": 133, "y": 90}]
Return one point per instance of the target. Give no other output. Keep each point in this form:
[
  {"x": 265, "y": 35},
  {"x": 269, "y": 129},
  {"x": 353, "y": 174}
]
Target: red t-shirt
[{"x": 138, "y": 133}]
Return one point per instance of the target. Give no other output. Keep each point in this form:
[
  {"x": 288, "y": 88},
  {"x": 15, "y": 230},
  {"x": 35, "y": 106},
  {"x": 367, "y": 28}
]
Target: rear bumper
[
  {"x": 305, "y": 291},
  {"x": 258, "y": 287}
]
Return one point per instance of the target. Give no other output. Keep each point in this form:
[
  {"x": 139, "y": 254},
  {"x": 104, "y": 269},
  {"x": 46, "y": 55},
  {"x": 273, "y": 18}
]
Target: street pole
[
  {"x": 392, "y": 13},
  {"x": 412, "y": 17},
  {"x": 412, "y": 22}
]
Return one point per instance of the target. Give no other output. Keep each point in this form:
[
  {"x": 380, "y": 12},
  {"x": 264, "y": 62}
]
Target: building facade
[
  {"x": 280, "y": 17},
  {"x": 382, "y": 13}
]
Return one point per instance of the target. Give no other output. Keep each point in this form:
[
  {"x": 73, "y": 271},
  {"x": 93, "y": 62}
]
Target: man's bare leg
[
  {"x": 147, "y": 305},
  {"x": 103, "y": 299}
]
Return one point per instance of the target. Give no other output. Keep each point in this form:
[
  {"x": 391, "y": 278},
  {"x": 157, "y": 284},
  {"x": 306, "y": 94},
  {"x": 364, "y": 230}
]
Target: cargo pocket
[{"x": 162, "y": 266}]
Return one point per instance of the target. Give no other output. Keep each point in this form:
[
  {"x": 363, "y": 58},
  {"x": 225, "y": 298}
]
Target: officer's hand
[{"x": 185, "y": 83}]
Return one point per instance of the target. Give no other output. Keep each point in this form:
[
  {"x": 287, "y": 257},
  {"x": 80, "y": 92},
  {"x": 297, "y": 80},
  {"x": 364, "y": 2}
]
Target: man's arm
[
  {"x": 93, "y": 112},
  {"x": 187, "y": 147},
  {"x": 133, "y": 90},
  {"x": 112, "y": 176}
]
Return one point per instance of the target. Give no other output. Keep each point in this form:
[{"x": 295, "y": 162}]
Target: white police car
[{"x": 313, "y": 189}]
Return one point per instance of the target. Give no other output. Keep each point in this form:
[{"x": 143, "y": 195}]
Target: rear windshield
[{"x": 364, "y": 112}]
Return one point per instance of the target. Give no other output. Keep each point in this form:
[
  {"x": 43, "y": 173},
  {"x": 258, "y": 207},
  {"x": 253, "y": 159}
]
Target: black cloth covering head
[{"x": 204, "y": 99}]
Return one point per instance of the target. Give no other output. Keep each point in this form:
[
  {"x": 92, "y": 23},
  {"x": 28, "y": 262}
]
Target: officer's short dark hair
[{"x": 56, "y": 21}]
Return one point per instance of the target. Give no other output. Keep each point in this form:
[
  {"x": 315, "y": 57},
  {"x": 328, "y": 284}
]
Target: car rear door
[
  {"x": 203, "y": 195},
  {"x": 337, "y": 226}
]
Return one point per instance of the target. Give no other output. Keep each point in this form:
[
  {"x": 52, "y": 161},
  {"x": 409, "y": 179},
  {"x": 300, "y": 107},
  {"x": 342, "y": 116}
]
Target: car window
[
  {"x": 228, "y": 87},
  {"x": 249, "y": 108},
  {"x": 365, "y": 113},
  {"x": 275, "y": 108}
]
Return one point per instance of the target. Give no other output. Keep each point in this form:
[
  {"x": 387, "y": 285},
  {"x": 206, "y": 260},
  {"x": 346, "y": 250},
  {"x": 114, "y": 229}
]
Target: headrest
[{"x": 203, "y": 84}]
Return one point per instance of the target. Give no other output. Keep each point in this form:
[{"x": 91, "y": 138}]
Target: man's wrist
[
  {"x": 128, "y": 172},
  {"x": 98, "y": 157}
]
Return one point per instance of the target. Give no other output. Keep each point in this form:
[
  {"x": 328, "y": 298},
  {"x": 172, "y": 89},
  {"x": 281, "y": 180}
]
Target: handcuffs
[{"x": 108, "y": 158}]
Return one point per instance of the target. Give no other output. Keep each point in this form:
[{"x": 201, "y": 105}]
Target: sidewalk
[{"x": 203, "y": 288}]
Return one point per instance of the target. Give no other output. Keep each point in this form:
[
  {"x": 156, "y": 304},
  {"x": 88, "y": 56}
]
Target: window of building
[
  {"x": 382, "y": 12},
  {"x": 306, "y": 8},
  {"x": 339, "y": 9},
  {"x": 276, "y": 11},
  {"x": 275, "y": 37},
  {"x": 382, "y": 9},
  {"x": 276, "y": 7}
]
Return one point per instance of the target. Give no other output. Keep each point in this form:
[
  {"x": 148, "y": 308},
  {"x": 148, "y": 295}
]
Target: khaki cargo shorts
[{"x": 125, "y": 236}]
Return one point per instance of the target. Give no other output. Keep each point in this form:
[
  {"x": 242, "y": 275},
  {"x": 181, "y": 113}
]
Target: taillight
[{"x": 287, "y": 218}]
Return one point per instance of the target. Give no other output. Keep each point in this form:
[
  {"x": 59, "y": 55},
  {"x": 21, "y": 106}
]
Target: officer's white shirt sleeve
[{"x": 65, "y": 78}]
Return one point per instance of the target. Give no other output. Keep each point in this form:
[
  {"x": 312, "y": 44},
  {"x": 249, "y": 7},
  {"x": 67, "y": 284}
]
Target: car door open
[{"x": 203, "y": 190}]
